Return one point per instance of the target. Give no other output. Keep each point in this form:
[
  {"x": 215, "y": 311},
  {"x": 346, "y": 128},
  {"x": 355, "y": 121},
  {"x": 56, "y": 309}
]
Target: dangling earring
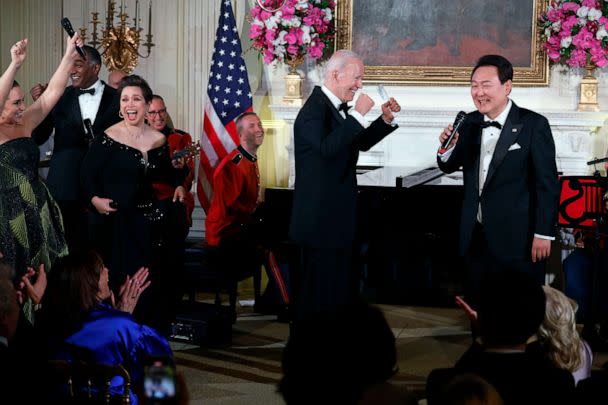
[{"x": 120, "y": 114}]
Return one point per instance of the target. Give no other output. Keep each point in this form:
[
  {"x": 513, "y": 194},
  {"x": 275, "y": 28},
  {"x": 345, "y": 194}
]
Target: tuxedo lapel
[
  {"x": 106, "y": 100},
  {"x": 74, "y": 106},
  {"x": 508, "y": 136},
  {"x": 335, "y": 112},
  {"x": 477, "y": 142}
]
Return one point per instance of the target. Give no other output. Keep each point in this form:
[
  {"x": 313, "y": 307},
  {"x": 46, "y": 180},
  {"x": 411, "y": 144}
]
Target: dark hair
[
  {"x": 502, "y": 64},
  {"x": 157, "y": 97},
  {"x": 15, "y": 84},
  {"x": 337, "y": 356},
  {"x": 511, "y": 308},
  {"x": 7, "y": 271},
  {"x": 93, "y": 55},
  {"x": 136, "y": 81},
  {"x": 72, "y": 290}
]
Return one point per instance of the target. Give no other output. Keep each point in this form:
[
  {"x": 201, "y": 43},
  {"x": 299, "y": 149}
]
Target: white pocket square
[{"x": 515, "y": 146}]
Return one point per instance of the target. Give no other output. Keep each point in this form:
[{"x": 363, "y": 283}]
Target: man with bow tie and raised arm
[
  {"x": 511, "y": 190},
  {"x": 328, "y": 137},
  {"x": 88, "y": 98}
]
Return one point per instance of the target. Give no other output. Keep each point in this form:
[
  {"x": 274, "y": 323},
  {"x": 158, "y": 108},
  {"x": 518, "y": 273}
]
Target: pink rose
[
  {"x": 268, "y": 57},
  {"x": 255, "y": 31},
  {"x": 570, "y": 6},
  {"x": 293, "y": 49},
  {"x": 590, "y": 3}
]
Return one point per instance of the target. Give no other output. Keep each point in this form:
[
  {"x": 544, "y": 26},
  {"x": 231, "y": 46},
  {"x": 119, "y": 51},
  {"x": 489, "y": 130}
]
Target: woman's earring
[{"x": 120, "y": 114}]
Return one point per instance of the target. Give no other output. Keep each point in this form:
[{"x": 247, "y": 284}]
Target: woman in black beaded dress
[
  {"x": 31, "y": 229},
  {"x": 117, "y": 176}
]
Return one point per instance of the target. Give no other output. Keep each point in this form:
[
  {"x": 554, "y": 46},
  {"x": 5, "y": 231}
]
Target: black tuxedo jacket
[
  {"x": 70, "y": 142},
  {"x": 521, "y": 192},
  {"x": 326, "y": 152}
]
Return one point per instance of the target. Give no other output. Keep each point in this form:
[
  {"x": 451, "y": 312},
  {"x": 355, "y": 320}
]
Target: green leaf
[{"x": 19, "y": 230}]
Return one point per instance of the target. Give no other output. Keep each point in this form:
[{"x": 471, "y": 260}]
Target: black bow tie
[
  {"x": 344, "y": 107},
  {"x": 90, "y": 91},
  {"x": 486, "y": 124}
]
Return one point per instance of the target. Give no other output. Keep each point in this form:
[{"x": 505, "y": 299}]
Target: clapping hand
[
  {"x": 35, "y": 291},
  {"x": 131, "y": 290}
]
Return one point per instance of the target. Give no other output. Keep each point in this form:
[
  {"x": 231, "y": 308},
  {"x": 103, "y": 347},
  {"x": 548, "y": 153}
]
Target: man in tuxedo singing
[
  {"x": 88, "y": 98},
  {"x": 328, "y": 136},
  {"x": 511, "y": 189}
]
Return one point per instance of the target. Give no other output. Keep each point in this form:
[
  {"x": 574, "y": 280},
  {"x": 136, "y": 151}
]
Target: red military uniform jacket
[
  {"x": 178, "y": 140},
  {"x": 236, "y": 190}
]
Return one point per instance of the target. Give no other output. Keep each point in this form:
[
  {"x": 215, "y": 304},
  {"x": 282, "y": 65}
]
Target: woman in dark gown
[
  {"x": 31, "y": 229},
  {"x": 117, "y": 176}
]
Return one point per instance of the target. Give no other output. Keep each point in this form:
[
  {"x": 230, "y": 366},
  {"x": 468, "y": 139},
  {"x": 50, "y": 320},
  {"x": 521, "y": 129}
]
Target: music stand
[{"x": 582, "y": 207}]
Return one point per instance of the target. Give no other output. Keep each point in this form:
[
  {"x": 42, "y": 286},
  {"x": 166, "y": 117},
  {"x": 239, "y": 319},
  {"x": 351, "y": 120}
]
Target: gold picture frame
[{"x": 414, "y": 45}]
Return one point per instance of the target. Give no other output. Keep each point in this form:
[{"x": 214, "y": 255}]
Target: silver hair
[{"x": 338, "y": 60}]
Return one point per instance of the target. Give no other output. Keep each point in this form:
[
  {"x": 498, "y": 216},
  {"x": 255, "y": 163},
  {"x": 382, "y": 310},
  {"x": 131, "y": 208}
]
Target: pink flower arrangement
[
  {"x": 575, "y": 32},
  {"x": 298, "y": 28}
]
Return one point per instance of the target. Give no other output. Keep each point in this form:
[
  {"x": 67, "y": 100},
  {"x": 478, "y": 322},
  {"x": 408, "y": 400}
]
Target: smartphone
[{"x": 159, "y": 381}]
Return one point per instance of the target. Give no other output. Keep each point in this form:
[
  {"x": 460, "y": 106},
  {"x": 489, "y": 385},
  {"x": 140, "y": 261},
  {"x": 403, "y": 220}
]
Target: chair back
[{"x": 79, "y": 382}]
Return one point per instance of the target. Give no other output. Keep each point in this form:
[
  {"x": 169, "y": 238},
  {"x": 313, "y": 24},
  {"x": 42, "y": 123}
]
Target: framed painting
[{"x": 438, "y": 42}]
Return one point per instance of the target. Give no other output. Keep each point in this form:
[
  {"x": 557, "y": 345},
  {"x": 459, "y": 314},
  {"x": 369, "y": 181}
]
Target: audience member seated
[
  {"x": 20, "y": 358},
  {"x": 82, "y": 321},
  {"x": 511, "y": 310},
  {"x": 344, "y": 358},
  {"x": 558, "y": 338},
  {"x": 469, "y": 389}
]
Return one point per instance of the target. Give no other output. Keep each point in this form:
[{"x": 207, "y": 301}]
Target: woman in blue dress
[
  {"x": 81, "y": 320},
  {"x": 31, "y": 229}
]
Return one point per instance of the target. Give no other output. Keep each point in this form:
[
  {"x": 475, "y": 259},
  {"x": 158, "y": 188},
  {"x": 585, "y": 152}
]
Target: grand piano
[{"x": 407, "y": 240}]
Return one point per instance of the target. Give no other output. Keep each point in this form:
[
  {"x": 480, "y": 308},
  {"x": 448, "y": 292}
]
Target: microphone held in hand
[
  {"x": 89, "y": 127},
  {"x": 460, "y": 117},
  {"x": 67, "y": 26}
]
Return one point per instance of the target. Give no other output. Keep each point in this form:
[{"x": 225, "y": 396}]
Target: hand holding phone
[
  {"x": 67, "y": 26},
  {"x": 159, "y": 381}
]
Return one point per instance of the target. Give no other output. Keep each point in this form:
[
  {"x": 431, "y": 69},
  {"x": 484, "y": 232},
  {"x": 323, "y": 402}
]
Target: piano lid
[{"x": 406, "y": 177}]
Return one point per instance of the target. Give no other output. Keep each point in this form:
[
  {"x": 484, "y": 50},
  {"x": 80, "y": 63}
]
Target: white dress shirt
[
  {"x": 336, "y": 103},
  {"x": 489, "y": 139},
  {"x": 89, "y": 104}
]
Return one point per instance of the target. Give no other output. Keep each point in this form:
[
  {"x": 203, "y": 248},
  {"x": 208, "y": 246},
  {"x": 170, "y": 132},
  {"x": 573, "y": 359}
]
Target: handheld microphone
[
  {"x": 89, "y": 128},
  {"x": 382, "y": 93},
  {"x": 457, "y": 124},
  {"x": 67, "y": 26}
]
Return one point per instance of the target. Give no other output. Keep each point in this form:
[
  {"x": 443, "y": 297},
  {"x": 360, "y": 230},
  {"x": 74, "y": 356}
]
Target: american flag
[{"x": 228, "y": 96}]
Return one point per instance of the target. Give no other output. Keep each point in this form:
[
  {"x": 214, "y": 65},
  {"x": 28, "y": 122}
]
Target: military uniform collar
[{"x": 247, "y": 155}]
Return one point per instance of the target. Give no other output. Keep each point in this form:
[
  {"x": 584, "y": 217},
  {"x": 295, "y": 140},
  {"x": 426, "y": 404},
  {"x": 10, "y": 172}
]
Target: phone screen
[{"x": 159, "y": 380}]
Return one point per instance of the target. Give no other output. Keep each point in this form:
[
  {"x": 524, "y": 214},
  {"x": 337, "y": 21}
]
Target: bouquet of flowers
[
  {"x": 298, "y": 28},
  {"x": 575, "y": 32}
]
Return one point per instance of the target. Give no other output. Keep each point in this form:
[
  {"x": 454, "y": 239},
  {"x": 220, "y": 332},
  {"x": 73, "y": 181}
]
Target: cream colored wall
[{"x": 184, "y": 32}]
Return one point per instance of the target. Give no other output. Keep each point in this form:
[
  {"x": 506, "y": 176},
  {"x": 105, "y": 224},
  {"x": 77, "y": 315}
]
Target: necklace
[{"x": 135, "y": 136}]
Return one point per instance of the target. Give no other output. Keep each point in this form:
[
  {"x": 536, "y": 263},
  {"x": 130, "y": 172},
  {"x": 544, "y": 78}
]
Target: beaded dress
[
  {"x": 31, "y": 228},
  {"x": 132, "y": 236}
]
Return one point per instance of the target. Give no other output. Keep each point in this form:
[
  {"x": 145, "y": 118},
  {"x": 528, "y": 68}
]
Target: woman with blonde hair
[{"x": 559, "y": 338}]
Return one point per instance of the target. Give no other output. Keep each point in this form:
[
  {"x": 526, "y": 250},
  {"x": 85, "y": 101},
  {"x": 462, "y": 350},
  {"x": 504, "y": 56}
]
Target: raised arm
[
  {"x": 18, "y": 54},
  {"x": 45, "y": 103}
]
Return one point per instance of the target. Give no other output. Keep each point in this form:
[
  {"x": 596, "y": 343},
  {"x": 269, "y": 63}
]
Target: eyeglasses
[{"x": 153, "y": 114}]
